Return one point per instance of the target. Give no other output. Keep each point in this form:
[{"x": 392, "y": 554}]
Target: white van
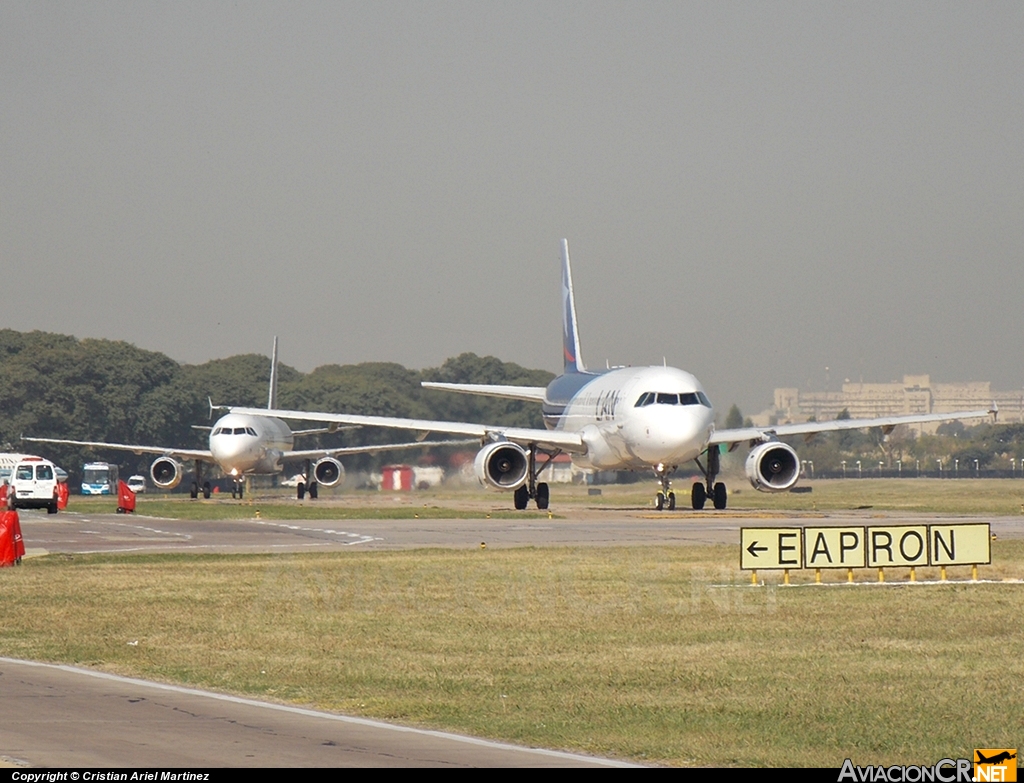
[{"x": 33, "y": 484}]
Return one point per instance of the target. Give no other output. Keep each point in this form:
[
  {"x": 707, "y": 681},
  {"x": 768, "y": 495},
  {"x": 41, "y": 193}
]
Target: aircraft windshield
[{"x": 666, "y": 398}]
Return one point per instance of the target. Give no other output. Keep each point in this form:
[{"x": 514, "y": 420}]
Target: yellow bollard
[
  {"x": 817, "y": 576},
  {"x": 974, "y": 572},
  {"x": 849, "y": 575},
  {"x": 913, "y": 574},
  {"x": 257, "y": 513},
  {"x": 942, "y": 573},
  {"x": 753, "y": 577},
  {"x": 785, "y": 577},
  {"x": 881, "y": 575}
]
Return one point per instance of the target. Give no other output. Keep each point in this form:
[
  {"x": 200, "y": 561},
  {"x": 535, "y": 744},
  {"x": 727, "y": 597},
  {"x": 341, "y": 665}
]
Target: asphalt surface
[
  {"x": 81, "y": 533},
  {"x": 60, "y": 716}
]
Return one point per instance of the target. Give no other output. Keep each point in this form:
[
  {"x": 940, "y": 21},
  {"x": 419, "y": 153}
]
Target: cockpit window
[
  {"x": 239, "y": 430},
  {"x": 665, "y": 398},
  {"x": 250, "y": 431}
]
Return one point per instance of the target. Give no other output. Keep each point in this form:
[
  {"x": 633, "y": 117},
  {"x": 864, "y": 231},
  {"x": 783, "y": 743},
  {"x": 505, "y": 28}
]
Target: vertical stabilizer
[
  {"x": 272, "y": 396},
  {"x": 570, "y": 334}
]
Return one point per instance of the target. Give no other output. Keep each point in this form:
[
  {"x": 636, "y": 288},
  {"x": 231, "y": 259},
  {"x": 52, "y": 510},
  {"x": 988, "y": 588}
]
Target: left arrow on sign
[{"x": 754, "y": 549}]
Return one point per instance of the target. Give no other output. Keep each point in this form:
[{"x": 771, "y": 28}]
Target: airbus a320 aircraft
[
  {"x": 648, "y": 418},
  {"x": 246, "y": 444}
]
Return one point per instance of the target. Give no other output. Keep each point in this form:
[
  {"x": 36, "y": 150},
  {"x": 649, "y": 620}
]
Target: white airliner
[
  {"x": 246, "y": 444},
  {"x": 648, "y": 418}
]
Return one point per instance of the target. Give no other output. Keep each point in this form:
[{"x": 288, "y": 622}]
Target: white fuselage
[
  {"x": 243, "y": 444},
  {"x": 634, "y": 418}
]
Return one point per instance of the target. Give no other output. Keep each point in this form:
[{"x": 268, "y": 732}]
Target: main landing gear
[
  {"x": 195, "y": 488},
  {"x": 304, "y": 487},
  {"x": 715, "y": 491},
  {"x": 532, "y": 490}
]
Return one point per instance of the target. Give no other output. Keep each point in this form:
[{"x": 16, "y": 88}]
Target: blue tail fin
[
  {"x": 272, "y": 396},
  {"x": 570, "y": 335}
]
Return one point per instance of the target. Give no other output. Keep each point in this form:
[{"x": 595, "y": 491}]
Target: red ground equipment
[
  {"x": 12, "y": 547},
  {"x": 62, "y": 495},
  {"x": 125, "y": 499}
]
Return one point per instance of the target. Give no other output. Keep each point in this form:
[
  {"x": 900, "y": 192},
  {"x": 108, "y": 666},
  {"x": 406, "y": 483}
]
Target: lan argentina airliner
[
  {"x": 648, "y": 418},
  {"x": 246, "y": 444}
]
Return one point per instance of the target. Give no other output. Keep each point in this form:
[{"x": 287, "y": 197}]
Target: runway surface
[
  {"x": 81, "y": 533},
  {"x": 59, "y": 716}
]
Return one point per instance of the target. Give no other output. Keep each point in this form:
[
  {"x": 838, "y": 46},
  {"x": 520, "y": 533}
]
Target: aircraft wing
[
  {"x": 182, "y": 453},
  {"x": 372, "y": 449},
  {"x": 811, "y": 427},
  {"x": 531, "y": 393},
  {"x": 555, "y": 439}
]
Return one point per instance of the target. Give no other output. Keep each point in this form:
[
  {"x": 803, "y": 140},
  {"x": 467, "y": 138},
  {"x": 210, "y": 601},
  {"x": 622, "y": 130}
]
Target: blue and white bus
[{"x": 99, "y": 478}]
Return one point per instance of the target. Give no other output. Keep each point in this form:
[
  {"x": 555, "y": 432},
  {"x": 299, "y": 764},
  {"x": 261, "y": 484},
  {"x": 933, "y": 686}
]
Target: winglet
[
  {"x": 570, "y": 334},
  {"x": 272, "y": 396}
]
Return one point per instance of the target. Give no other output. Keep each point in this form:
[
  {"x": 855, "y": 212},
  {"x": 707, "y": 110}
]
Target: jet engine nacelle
[
  {"x": 773, "y": 467},
  {"x": 328, "y": 472},
  {"x": 502, "y": 465},
  {"x": 166, "y": 472}
]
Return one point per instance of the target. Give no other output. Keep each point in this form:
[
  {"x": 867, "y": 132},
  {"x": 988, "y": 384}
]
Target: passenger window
[
  {"x": 44, "y": 473},
  {"x": 668, "y": 399}
]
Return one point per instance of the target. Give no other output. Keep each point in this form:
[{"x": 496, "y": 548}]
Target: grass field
[
  {"x": 656, "y": 654},
  {"x": 1000, "y": 497}
]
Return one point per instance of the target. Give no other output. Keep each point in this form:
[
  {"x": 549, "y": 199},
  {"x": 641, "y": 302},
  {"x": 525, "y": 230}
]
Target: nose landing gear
[{"x": 665, "y": 497}]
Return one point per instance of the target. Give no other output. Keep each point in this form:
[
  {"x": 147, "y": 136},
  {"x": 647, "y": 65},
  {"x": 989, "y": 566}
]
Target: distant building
[{"x": 916, "y": 394}]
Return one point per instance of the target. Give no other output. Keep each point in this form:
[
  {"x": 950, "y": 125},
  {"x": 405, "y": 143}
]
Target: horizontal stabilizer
[{"x": 531, "y": 393}]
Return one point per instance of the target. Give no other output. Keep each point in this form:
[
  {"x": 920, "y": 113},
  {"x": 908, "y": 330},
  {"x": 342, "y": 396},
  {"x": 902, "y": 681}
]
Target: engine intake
[
  {"x": 328, "y": 472},
  {"x": 166, "y": 472},
  {"x": 773, "y": 467},
  {"x": 502, "y": 465}
]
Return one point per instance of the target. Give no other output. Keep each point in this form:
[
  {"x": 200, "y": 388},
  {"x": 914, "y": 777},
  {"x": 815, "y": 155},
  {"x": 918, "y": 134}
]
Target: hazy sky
[{"x": 754, "y": 191}]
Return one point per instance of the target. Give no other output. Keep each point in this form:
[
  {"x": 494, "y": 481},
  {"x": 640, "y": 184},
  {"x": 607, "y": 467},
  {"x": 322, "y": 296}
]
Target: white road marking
[
  {"x": 361, "y": 537},
  {"x": 324, "y": 715}
]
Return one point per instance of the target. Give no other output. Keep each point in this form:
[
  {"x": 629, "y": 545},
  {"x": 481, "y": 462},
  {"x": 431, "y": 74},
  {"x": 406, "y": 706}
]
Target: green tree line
[{"x": 58, "y": 386}]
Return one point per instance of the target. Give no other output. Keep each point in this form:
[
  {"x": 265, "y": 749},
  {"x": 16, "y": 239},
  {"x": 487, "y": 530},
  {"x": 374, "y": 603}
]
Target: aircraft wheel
[
  {"x": 300, "y": 489},
  {"x": 659, "y": 501},
  {"x": 206, "y": 490},
  {"x": 721, "y": 496},
  {"x": 542, "y": 496},
  {"x": 194, "y": 491},
  {"x": 671, "y": 501},
  {"x": 313, "y": 490},
  {"x": 698, "y": 496},
  {"x": 521, "y": 498}
]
